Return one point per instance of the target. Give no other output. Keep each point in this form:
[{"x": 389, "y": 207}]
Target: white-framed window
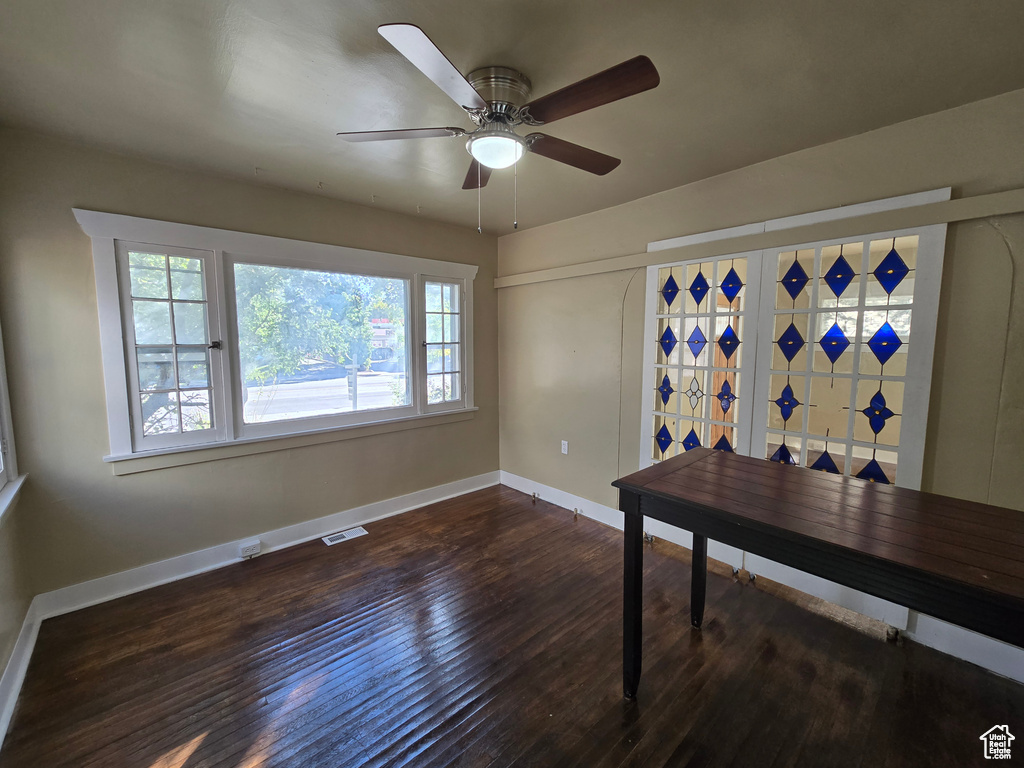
[
  {"x": 8, "y": 458},
  {"x": 444, "y": 315},
  {"x": 212, "y": 337},
  {"x": 801, "y": 354}
]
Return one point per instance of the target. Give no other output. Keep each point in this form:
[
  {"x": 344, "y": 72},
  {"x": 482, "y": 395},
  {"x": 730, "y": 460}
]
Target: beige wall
[
  {"x": 79, "y": 521},
  {"x": 15, "y": 595},
  {"x": 564, "y": 343}
]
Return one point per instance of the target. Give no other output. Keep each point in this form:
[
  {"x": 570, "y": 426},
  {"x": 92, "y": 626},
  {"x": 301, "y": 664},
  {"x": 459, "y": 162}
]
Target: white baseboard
[
  {"x": 996, "y": 656},
  {"x": 613, "y": 517},
  {"x": 17, "y": 665},
  {"x": 77, "y": 596},
  {"x": 999, "y": 657}
]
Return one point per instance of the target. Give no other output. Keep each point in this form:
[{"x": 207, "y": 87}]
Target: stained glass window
[
  {"x": 842, "y": 318},
  {"x": 701, "y": 312},
  {"x": 831, "y": 325}
]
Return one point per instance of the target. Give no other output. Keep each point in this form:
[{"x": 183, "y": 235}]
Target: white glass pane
[
  {"x": 451, "y": 298},
  {"x": 451, "y": 386},
  {"x": 152, "y": 322},
  {"x": 149, "y": 275},
  {"x": 434, "y": 353},
  {"x": 434, "y": 328},
  {"x": 156, "y": 368},
  {"x": 195, "y": 410},
  {"x": 190, "y": 323},
  {"x": 186, "y": 279},
  {"x": 433, "y": 297},
  {"x": 193, "y": 368},
  {"x": 311, "y": 346},
  {"x": 435, "y": 389},
  {"x": 159, "y": 413},
  {"x": 451, "y": 327},
  {"x": 451, "y": 357}
]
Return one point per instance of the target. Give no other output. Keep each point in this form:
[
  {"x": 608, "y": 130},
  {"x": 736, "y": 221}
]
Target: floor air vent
[{"x": 351, "y": 533}]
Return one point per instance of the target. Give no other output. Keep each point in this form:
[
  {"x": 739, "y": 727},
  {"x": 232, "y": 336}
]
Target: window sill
[
  {"x": 9, "y": 495},
  {"x": 129, "y": 464}
]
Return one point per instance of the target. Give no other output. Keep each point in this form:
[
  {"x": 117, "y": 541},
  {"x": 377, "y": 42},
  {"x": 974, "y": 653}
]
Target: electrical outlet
[
  {"x": 565, "y": 446},
  {"x": 249, "y": 548}
]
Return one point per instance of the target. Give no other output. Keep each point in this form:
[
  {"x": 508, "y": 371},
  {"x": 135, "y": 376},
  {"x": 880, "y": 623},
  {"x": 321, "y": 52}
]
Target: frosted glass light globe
[{"x": 496, "y": 151}]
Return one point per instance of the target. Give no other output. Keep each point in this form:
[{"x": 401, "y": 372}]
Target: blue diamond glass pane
[
  {"x": 794, "y": 280},
  {"x": 885, "y": 343},
  {"x": 877, "y": 412},
  {"x": 668, "y": 341},
  {"x": 834, "y": 343},
  {"x": 696, "y": 341},
  {"x": 787, "y": 402},
  {"x": 664, "y": 438},
  {"x": 728, "y": 342},
  {"x": 826, "y": 463},
  {"x": 725, "y": 396},
  {"x": 691, "y": 441},
  {"x": 891, "y": 271},
  {"x": 783, "y": 456},
  {"x": 670, "y": 290},
  {"x": 790, "y": 342},
  {"x": 874, "y": 473},
  {"x": 699, "y": 288},
  {"x": 839, "y": 276},
  {"x": 666, "y": 390},
  {"x": 723, "y": 445},
  {"x": 731, "y": 285}
]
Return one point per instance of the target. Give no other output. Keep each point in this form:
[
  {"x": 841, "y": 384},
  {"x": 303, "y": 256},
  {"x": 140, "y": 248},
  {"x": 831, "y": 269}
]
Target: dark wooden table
[{"x": 958, "y": 561}]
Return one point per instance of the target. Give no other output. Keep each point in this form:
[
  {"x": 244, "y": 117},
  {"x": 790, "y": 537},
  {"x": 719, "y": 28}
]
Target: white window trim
[
  {"x": 106, "y": 229},
  {"x": 10, "y": 481}
]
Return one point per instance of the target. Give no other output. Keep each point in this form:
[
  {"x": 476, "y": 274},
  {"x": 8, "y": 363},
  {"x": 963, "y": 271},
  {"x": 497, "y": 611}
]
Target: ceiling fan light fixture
[{"x": 496, "y": 150}]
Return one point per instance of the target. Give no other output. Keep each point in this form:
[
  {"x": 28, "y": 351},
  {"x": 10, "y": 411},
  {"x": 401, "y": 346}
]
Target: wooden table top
[{"x": 975, "y": 544}]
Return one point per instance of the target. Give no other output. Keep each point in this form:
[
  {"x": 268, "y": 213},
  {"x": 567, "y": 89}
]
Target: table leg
[
  {"x": 699, "y": 579},
  {"x": 632, "y": 596}
]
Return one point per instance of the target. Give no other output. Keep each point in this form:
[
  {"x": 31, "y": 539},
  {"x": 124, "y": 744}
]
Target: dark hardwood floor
[{"x": 483, "y": 631}]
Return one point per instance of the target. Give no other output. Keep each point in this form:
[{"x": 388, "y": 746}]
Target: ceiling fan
[{"x": 494, "y": 99}]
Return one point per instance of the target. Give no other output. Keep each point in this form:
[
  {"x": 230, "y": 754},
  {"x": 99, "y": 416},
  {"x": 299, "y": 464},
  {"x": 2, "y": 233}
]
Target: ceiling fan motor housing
[{"x": 503, "y": 88}]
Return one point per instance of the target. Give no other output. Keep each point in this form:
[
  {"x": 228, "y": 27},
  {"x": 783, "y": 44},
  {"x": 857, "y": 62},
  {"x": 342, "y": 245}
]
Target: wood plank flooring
[{"x": 483, "y": 631}]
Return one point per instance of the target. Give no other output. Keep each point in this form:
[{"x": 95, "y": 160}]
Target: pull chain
[
  {"x": 479, "y": 221},
  {"x": 515, "y": 196}
]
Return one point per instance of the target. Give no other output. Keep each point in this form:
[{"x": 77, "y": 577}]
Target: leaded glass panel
[
  {"x": 701, "y": 309},
  {"x": 841, "y": 332}
]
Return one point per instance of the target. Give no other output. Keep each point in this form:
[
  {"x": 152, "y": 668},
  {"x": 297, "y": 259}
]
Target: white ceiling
[{"x": 234, "y": 85}]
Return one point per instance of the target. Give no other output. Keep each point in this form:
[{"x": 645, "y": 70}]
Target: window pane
[
  {"x": 434, "y": 325},
  {"x": 451, "y": 298},
  {"x": 195, "y": 410},
  {"x": 451, "y": 357},
  {"x": 149, "y": 275},
  {"x": 156, "y": 368},
  {"x": 193, "y": 368},
  {"x": 152, "y": 322},
  {"x": 433, "y": 297},
  {"x": 434, "y": 358},
  {"x": 315, "y": 343},
  {"x": 451, "y": 327},
  {"x": 190, "y": 323},
  {"x": 435, "y": 389},
  {"x": 186, "y": 278},
  {"x": 160, "y": 413},
  {"x": 451, "y": 387}
]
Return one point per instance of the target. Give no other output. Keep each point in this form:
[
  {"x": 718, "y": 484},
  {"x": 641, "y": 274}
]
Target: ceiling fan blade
[
  {"x": 413, "y": 43},
  {"x": 572, "y": 154},
  {"x": 476, "y": 176},
  {"x": 618, "y": 82},
  {"x": 405, "y": 133}
]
